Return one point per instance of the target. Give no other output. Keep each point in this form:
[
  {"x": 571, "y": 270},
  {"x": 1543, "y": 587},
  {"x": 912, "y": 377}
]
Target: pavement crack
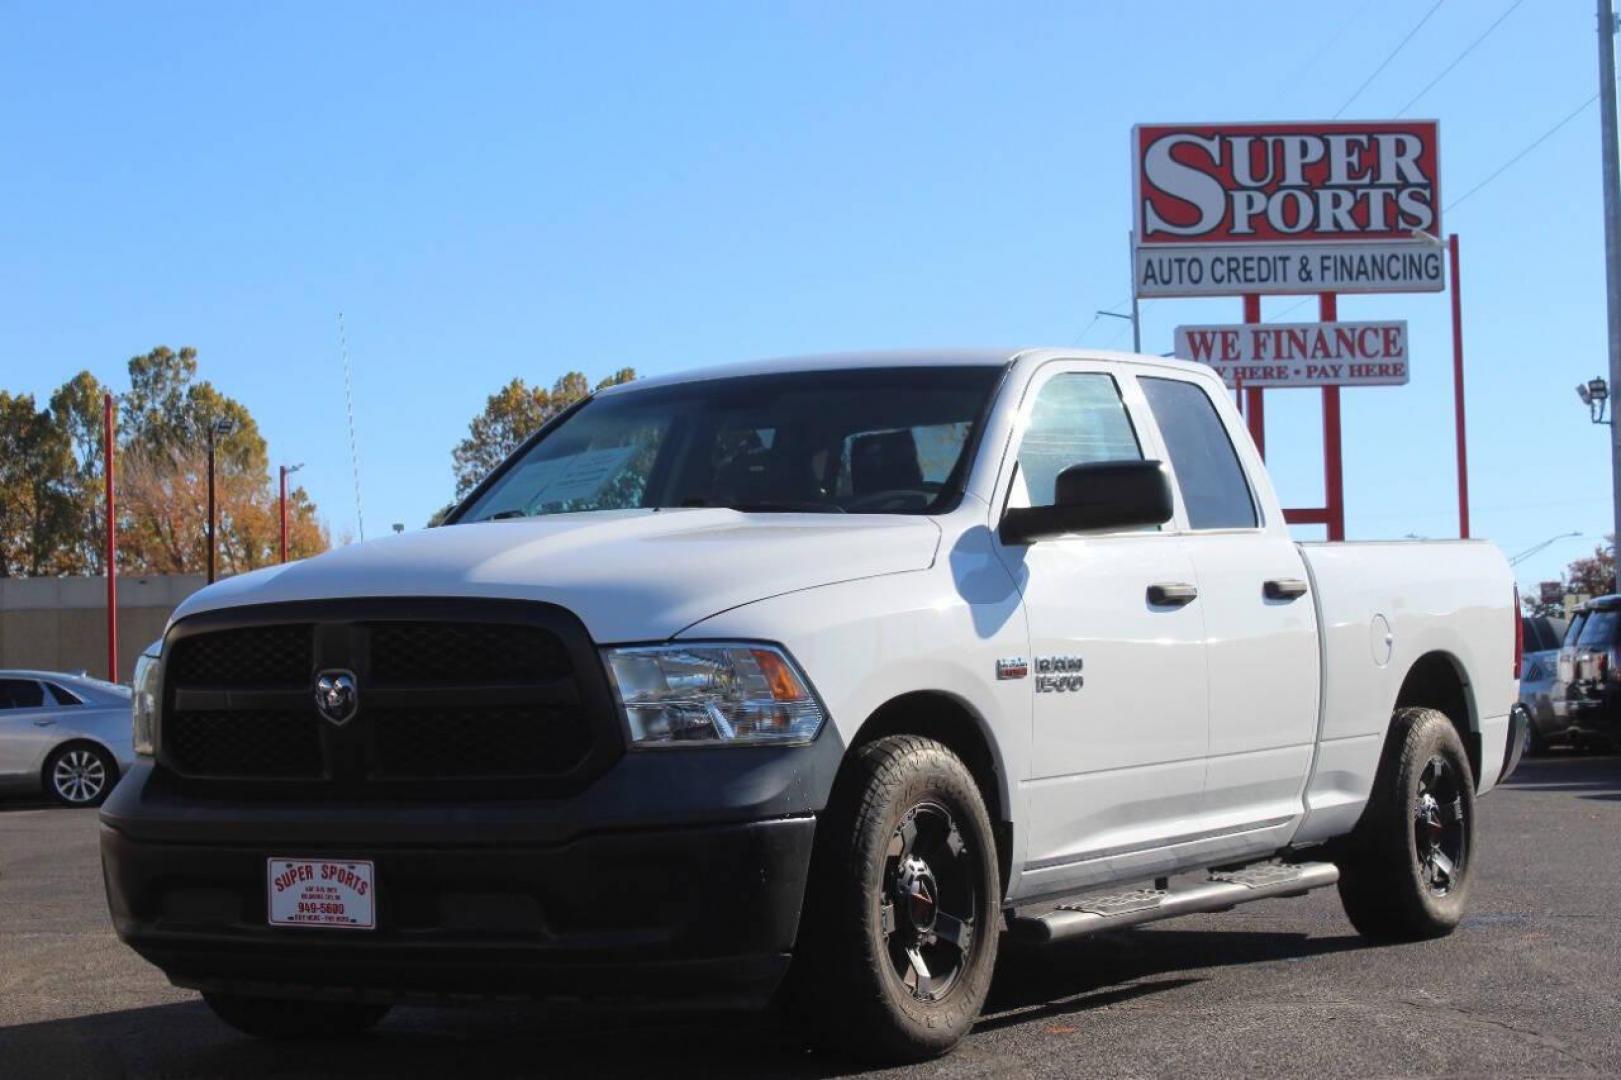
[{"x": 1540, "y": 1038}]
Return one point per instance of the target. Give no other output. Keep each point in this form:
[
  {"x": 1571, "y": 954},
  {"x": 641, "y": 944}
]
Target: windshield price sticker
[{"x": 318, "y": 892}]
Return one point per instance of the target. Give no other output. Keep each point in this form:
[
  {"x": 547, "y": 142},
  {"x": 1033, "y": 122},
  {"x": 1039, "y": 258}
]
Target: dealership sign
[
  {"x": 1224, "y": 209},
  {"x": 1300, "y": 354}
]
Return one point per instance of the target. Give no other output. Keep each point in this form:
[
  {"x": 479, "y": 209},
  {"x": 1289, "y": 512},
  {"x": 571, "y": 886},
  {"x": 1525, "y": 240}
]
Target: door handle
[
  {"x": 44, "y": 721},
  {"x": 1172, "y": 594},
  {"x": 1284, "y": 589}
]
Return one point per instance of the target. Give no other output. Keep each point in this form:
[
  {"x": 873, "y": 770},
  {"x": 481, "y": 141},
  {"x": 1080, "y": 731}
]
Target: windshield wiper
[{"x": 506, "y": 515}]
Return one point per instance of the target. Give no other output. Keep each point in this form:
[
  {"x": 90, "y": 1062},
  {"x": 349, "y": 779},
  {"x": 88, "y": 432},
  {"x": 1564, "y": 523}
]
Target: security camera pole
[{"x": 1612, "y": 231}]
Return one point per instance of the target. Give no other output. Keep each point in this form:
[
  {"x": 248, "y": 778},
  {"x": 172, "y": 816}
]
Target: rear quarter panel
[{"x": 1454, "y": 598}]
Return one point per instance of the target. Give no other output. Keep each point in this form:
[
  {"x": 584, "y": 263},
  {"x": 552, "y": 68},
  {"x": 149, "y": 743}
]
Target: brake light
[{"x": 1519, "y": 634}]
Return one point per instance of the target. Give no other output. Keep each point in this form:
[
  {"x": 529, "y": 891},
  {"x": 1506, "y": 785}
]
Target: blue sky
[{"x": 501, "y": 189}]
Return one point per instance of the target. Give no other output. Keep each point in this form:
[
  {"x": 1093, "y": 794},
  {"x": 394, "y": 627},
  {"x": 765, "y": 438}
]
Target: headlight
[
  {"x": 723, "y": 694},
  {"x": 143, "y": 706}
]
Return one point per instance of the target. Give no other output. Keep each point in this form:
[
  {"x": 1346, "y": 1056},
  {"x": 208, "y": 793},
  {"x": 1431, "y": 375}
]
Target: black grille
[
  {"x": 444, "y": 702},
  {"x": 447, "y": 743},
  {"x": 258, "y": 655},
  {"x": 419, "y": 653},
  {"x": 268, "y": 744}
]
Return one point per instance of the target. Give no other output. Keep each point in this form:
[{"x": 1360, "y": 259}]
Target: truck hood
[{"x": 634, "y": 575}]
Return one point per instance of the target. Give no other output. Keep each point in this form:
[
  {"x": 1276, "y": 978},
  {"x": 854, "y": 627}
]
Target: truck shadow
[{"x": 184, "y": 1040}]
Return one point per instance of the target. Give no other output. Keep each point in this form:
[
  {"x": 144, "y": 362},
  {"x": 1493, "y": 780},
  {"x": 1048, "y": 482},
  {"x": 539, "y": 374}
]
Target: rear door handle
[
  {"x": 1284, "y": 589},
  {"x": 1172, "y": 594}
]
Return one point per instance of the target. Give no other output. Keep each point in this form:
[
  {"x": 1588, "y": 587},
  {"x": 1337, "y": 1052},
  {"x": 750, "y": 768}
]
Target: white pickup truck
[{"x": 809, "y": 681}]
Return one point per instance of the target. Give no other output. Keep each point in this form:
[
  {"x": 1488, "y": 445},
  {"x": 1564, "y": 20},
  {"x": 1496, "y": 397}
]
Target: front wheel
[
  {"x": 1406, "y": 871},
  {"x": 289, "y": 1018},
  {"x": 900, "y": 934}
]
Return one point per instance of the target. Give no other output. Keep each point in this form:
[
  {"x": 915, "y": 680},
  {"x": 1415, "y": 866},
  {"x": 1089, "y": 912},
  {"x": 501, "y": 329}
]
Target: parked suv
[{"x": 1592, "y": 700}]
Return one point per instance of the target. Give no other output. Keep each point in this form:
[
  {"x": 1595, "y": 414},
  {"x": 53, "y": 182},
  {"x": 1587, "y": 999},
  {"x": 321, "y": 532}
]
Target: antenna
[{"x": 354, "y": 446}]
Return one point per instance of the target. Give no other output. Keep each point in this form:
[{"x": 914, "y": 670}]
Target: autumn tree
[
  {"x": 510, "y": 416},
  {"x": 52, "y": 471},
  {"x": 1595, "y": 574}
]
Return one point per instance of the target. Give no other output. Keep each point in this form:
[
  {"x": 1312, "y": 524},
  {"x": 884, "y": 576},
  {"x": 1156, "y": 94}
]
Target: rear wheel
[
  {"x": 900, "y": 934},
  {"x": 80, "y": 774},
  {"x": 1406, "y": 872},
  {"x": 289, "y": 1018}
]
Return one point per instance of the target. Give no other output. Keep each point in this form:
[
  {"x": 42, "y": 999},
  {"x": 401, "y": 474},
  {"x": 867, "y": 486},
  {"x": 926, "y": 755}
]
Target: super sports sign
[{"x": 1224, "y": 209}]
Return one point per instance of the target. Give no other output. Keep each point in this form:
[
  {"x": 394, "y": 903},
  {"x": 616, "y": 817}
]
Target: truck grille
[{"x": 494, "y": 698}]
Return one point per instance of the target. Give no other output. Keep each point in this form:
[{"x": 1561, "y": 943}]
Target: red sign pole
[
  {"x": 112, "y": 539},
  {"x": 1328, "y": 310},
  {"x": 1457, "y": 389},
  {"x": 1254, "y": 405}
]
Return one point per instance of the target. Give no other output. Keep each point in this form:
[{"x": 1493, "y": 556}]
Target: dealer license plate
[{"x": 322, "y": 892}]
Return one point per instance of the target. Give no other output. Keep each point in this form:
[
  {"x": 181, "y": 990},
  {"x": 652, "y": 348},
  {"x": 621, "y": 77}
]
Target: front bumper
[
  {"x": 676, "y": 875},
  {"x": 708, "y": 913}
]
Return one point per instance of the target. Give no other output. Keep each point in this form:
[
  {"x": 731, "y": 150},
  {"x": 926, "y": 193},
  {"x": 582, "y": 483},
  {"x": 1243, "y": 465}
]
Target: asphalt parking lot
[{"x": 1531, "y": 985}]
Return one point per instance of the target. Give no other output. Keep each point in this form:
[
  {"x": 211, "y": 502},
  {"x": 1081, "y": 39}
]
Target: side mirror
[{"x": 1102, "y": 495}]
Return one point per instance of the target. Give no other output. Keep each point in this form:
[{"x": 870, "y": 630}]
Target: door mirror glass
[{"x": 1098, "y": 495}]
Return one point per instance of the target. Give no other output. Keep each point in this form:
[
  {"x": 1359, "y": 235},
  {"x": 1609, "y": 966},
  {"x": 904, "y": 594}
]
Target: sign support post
[
  {"x": 1254, "y": 404},
  {"x": 1457, "y": 390},
  {"x": 1328, "y": 305}
]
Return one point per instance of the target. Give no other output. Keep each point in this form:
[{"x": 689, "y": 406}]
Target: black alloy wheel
[
  {"x": 1439, "y": 837},
  {"x": 929, "y": 900}
]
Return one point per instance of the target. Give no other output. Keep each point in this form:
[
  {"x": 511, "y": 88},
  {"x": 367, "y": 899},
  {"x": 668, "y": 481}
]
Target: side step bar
[{"x": 1224, "y": 890}]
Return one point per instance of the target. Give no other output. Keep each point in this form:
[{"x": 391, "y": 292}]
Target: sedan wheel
[{"x": 80, "y": 775}]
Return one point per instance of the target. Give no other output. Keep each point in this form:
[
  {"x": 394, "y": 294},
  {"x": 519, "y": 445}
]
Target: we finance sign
[
  {"x": 1300, "y": 354},
  {"x": 1226, "y": 209}
]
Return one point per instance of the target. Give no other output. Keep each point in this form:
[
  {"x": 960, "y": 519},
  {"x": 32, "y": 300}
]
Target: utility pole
[
  {"x": 1612, "y": 232},
  {"x": 221, "y": 427},
  {"x": 285, "y": 469}
]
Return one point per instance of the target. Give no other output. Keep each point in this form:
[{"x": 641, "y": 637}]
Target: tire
[
  {"x": 79, "y": 774},
  {"x": 1536, "y": 743},
  {"x": 899, "y": 940},
  {"x": 1406, "y": 872},
  {"x": 290, "y": 1018}
]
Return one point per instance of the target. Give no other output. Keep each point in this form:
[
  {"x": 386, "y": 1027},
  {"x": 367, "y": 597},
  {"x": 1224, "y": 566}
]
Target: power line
[
  {"x": 1538, "y": 141},
  {"x": 1333, "y": 39},
  {"x": 1459, "y": 58},
  {"x": 1400, "y": 45}
]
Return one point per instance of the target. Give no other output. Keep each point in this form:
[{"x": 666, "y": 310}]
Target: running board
[{"x": 1225, "y": 889}]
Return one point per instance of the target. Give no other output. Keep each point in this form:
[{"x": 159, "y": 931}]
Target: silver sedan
[{"x": 66, "y": 736}]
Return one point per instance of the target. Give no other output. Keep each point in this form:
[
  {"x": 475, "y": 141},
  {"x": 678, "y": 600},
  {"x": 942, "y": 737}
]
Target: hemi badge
[{"x": 1013, "y": 667}]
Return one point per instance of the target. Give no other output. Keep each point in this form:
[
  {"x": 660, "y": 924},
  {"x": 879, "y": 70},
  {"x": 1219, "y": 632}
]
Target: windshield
[{"x": 861, "y": 441}]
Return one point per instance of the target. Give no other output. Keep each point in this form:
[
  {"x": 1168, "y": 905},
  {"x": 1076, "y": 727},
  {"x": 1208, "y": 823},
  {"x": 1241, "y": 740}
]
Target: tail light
[{"x": 1519, "y": 634}]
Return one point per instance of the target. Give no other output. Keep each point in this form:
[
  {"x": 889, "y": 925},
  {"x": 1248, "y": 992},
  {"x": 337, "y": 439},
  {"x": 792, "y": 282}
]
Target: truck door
[
  {"x": 1254, "y": 593},
  {"x": 1117, "y": 679}
]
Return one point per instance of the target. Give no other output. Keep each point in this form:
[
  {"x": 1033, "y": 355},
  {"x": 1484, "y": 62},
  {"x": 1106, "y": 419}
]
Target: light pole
[
  {"x": 217, "y": 428},
  {"x": 1612, "y": 229},
  {"x": 1534, "y": 548},
  {"x": 285, "y": 469}
]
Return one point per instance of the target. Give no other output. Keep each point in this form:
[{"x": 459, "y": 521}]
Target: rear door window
[
  {"x": 1599, "y": 630},
  {"x": 21, "y": 694},
  {"x": 1214, "y": 488},
  {"x": 63, "y": 695}
]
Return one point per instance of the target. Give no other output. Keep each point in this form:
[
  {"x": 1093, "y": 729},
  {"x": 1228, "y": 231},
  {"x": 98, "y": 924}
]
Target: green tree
[
  {"x": 76, "y": 409},
  {"x": 39, "y": 509},
  {"x": 510, "y": 416}
]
